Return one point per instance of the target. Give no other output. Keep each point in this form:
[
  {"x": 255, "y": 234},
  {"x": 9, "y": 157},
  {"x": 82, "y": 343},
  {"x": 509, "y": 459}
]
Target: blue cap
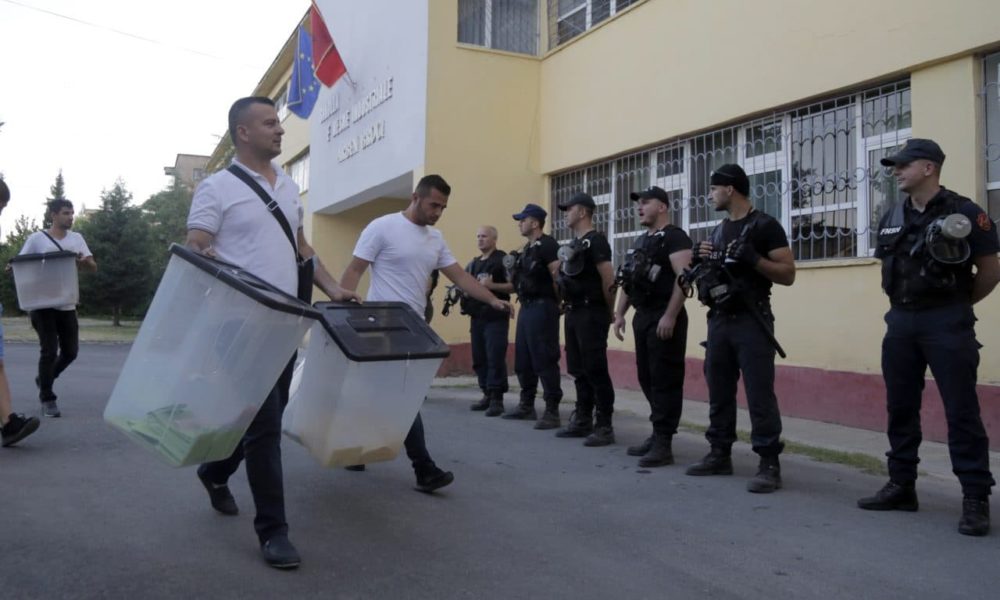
[{"x": 531, "y": 210}]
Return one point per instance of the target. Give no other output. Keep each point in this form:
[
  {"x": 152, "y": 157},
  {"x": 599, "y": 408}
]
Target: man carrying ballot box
[
  {"x": 57, "y": 328},
  {"x": 241, "y": 215},
  {"x": 403, "y": 249}
]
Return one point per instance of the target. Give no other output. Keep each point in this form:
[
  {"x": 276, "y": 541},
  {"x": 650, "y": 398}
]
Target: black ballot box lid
[
  {"x": 246, "y": 283},
  {"x": 43, "y": 256},
  {"x": 380, "y": 331}
]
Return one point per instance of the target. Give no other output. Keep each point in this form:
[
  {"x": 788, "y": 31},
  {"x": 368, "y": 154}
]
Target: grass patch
[
  {"x": 18, "y": 329},
  {"x": 862, "y": 462}
]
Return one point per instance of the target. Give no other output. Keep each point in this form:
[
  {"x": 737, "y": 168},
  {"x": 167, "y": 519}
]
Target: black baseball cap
[
  {"x": 579, "y": 198},
  {"x": 531, "y": 210},
  {"x": 915, "y": 149},
  {"x": 653, "y": 192},
  {"x": 734, "y": 175}
]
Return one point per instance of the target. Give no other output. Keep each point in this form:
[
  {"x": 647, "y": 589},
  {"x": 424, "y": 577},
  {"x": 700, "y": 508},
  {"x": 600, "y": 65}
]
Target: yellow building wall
[{"x": 482, "y": 137}]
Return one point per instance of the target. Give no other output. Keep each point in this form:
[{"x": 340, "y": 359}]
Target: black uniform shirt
[
  {"x": 766, "y": 235},
  {"x": 493, "y": 265},
  {"x": 596, "y": 251},
  {"x": 535, "y": 277}
]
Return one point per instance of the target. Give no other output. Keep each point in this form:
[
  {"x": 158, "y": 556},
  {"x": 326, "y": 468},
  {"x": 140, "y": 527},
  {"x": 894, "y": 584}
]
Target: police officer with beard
[
  {"x": 532, "y": 273},
  {"x": 649, "y": 283},
  {"x": 586, "y": 278},
  {"x": 929, "y": 244},
  {"x": 750, "y": 252}
]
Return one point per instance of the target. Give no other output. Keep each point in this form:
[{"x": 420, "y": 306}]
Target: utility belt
[
  {"x": 583, "y": 303},
  {"x": 651, "y": 307},
  {"x": 525, "y": 301},
  {"x": 737, "y": 308}
]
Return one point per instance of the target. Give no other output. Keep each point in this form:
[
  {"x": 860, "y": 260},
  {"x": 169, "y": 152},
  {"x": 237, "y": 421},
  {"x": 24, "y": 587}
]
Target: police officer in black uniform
[
  {"x": 586, "y": 279},
  {"x": 929, "y": 244},
  {"x": 750, "y": 252},
  {"x": 488, "y": 327},
  {"x": 648, "y": 279},
  {"x": 532, "y": 273}
]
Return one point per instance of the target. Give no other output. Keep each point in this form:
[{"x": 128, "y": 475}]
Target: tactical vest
[
  {"x": 643, "y": 269},
  {"x": 529, "y": 275},
  {"x": 572, "y": 262},
  {"x": 910, "y": 277}
]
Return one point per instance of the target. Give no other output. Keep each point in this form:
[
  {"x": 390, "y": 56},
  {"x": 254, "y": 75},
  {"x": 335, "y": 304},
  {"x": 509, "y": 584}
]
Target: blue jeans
[{"x": 943, "y": 339}]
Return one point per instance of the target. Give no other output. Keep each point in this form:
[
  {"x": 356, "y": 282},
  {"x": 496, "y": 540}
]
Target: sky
[{"x": 100, "y": 104}]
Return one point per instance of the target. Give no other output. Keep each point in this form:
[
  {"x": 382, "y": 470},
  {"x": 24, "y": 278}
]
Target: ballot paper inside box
[
  {"x": 211, "y": 348},
  {"x": 46, "y": 280},
  {"x": 366, "y": 372}
]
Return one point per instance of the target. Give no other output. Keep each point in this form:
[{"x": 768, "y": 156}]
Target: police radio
[{"x": 946, "y": 239}]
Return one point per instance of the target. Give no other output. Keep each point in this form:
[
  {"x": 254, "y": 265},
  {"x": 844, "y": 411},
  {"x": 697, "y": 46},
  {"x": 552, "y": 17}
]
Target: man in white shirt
[
  {"x": 230, "y": 221},
  {"x": 57, "y": 328},
  {"x": 403, "y": 249}
]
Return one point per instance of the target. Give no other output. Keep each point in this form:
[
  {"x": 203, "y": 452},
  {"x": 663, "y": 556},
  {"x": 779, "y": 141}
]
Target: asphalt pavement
[{"x": 84, "y": 513}]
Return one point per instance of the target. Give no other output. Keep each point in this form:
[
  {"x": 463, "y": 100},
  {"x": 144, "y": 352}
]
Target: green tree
[
  {"x": 166, "y": 213},
  {"x": 119, "y": 237},
  {"x": 58, "y": 192},
  {"x": 23, "y": 227}
]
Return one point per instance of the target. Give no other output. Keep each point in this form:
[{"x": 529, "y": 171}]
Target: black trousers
[
  {"x": 59, "y": 338},
  {"x": 737, "y": 344},
  {"x": 536, "y": 351},
  {"x": 416, "y": 447},
  {"x": 489, "y": 352},
  {"x": 587, "y": 361},
  {"x": 261, "y": 448},
  {"x": 660, "y": 367},
  {"x": 945, "y": 340}
]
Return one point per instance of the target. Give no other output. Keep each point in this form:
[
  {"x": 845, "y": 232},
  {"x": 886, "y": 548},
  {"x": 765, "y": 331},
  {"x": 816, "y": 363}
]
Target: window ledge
[
  {"x": 477, "y": 48},
  {"x": 836, "y": 263}
]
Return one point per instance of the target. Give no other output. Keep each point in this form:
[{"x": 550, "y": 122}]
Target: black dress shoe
[
  {"x": 433, "y": 479},
  {"x": 220, "y": 496},
  {"x": 280, "y": 553}
]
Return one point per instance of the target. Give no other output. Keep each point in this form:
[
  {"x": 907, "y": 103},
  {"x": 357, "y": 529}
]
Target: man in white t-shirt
[
  {"x": 230, "y": 221},
  {"x": 57, "y": 328},
  {"x": 403, "y": 250}
]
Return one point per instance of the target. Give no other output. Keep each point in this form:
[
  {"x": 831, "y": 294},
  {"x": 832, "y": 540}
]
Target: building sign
[{"x": 367, "y": 134}]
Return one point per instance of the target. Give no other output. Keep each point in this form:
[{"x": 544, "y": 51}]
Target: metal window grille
[
  {"x": 281, "y": 104},
  {"x": 510, "y": 25},
  {"x": 298, "y": 170},
  {"x": 814, "y": 168},
  {"x": 991, "y": 151},
  {"x": 570, "y": 18}
]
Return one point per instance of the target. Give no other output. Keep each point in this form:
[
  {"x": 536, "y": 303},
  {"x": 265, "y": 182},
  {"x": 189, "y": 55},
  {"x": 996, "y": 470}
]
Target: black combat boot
[
  {"x": 892, "y": 496},
  {"x": 768, "y": 477},
  {"x": 550, "y": 418},
  {"x": 641, "y": 449},
  {"x": 481, "y": 404},
  {"x": 717, "y": 462},
  {"x": 579, "y": 426},
  {"x": 523, "y": 412},
  {"x": 660, "y": 453},
  {"x": 975, "y": 515},
  {"x": 604, "y": 433},
  {"x": 495, "y": 399}
]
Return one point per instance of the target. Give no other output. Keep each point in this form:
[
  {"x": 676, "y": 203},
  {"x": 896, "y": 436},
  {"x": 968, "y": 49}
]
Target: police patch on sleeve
[{"x": 984, "y": 222}]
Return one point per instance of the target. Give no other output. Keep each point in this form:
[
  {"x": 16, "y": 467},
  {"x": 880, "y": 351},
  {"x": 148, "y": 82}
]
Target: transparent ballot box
[
  {"x": 366, "y": 371},
  {"x": 213, "y": 344},
  {"x": 47, "y": 280}
]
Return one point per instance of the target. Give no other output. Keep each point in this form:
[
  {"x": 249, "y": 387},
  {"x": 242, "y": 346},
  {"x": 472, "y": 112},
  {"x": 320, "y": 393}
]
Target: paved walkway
[{"x": 934, "y": 460}]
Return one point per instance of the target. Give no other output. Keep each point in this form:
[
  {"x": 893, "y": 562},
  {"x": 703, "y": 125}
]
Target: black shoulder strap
[
  {"x": 53, "y": 240},
  {"x": 270, "y": 203}
]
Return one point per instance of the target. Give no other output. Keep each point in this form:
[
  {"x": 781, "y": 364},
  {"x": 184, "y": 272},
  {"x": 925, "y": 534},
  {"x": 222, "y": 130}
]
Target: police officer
[
  {"x": 929, "y": 244},
  {"x": 586, "y": 278},
  {"x": 488, "y": 327},
  {"x": 648, "y": 280},
  {"x": 751, "y": 251},
  {"x": 536, "y": 338}
]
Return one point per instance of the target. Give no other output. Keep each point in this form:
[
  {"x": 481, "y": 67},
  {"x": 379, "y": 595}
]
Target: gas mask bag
[{"x": 946, "y": 239}]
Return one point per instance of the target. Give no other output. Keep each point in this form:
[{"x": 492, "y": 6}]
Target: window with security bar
[
  {"x": 991, "y": 151},
  {"x": 298, "y": 170},
  {"x": 570, "y": 18},
  {"x": 814, "y": 168},
  {"x": 510, "y": 25}
]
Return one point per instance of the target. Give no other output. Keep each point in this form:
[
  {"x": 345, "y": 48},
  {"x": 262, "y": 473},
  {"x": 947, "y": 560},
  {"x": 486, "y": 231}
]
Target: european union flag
[{"x": 303, "y": 89}]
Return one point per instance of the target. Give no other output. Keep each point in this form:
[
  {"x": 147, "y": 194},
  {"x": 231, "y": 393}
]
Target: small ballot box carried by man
[
  {"x": 46, "y": 280},
  {"x": 213, "y": 344},
  {"x": 365, "y": 374}
]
